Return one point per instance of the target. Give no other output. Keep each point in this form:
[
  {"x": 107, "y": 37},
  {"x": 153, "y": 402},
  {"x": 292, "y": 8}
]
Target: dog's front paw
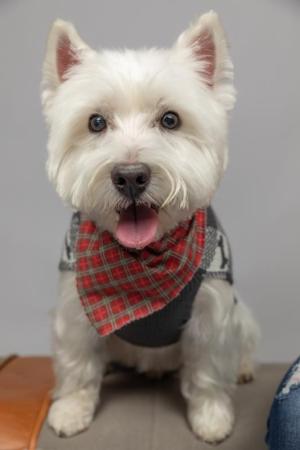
[
  {"x": 71, "y": 414},
  {"x": 246, "y": 371},
  {"x": 212, "y": 419}
]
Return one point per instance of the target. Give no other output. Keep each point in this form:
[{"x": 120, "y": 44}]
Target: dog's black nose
[{"x": 131, "y": 179}]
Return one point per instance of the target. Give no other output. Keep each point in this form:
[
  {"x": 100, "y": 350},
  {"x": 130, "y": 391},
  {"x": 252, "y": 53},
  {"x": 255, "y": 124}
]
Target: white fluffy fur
[{"x": 132, "y": 89}]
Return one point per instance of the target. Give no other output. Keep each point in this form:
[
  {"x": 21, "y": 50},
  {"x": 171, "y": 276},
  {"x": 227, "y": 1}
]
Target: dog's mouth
[{"x": 137, "y": 225}]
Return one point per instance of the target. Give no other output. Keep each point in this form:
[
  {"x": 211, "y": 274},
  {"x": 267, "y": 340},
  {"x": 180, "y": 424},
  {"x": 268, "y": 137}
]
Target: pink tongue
[{"x": 137, "y": 226}]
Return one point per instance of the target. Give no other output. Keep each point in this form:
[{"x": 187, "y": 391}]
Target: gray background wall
[{"x": 259, "y": 197}]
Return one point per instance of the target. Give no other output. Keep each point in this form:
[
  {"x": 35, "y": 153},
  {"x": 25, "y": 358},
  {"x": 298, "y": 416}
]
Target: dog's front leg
[
  {"x": 210, "y": 346},
  {"x": 79, "y": 362}
]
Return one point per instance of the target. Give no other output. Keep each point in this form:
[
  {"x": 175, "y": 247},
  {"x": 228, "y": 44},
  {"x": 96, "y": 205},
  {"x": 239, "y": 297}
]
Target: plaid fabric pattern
[{"x": 118, "y": 286}]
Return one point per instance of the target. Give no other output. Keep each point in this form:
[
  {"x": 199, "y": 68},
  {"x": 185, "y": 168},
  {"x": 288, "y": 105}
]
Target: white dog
[{"x": 138, "y": 145}]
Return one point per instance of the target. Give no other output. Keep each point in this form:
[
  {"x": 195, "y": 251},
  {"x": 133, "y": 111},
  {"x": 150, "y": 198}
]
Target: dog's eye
[
  {"x": 97, "y": 123},
  {"x": 170, "y": 120}
]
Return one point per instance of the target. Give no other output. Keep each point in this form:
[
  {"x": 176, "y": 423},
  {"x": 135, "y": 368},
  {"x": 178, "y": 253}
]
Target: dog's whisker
[
  {"x": 151, "y": 200},
  {"x": 172, "y": 188},
  {"x": 184, "y": 202}
]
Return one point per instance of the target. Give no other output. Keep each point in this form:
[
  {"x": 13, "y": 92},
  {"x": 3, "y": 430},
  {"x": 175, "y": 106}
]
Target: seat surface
[{"x": 140, "y": 414}]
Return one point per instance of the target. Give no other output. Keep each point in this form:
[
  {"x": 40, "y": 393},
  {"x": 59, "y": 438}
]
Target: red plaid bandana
[{"x": 117, "y": 285}]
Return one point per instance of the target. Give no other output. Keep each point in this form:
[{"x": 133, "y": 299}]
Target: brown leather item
[{"x": 25, "y": 385}]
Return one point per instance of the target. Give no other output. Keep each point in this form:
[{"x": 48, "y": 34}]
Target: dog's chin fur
[{"x": 132, "y": 90}]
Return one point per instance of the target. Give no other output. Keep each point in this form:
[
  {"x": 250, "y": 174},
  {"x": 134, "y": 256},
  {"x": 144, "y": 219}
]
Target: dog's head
[{"x": 138, "y": 139}]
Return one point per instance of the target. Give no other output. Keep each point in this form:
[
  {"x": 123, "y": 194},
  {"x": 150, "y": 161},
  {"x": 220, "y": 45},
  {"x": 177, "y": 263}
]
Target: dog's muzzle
[{"x": 131, "y": 180}]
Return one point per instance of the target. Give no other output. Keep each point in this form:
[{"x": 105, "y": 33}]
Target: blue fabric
[{"x": 284, "y": 419}]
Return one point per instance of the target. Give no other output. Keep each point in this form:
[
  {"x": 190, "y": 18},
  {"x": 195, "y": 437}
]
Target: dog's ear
[
  {"x": 206, "y": 43},
  {"x": 65, "y": 50}
]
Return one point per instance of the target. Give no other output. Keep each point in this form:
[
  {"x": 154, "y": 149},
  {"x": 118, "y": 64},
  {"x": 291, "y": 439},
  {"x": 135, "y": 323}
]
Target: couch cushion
[
  {"x": 24, "y": 400},
  {"x": 136, "y": 414}
]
